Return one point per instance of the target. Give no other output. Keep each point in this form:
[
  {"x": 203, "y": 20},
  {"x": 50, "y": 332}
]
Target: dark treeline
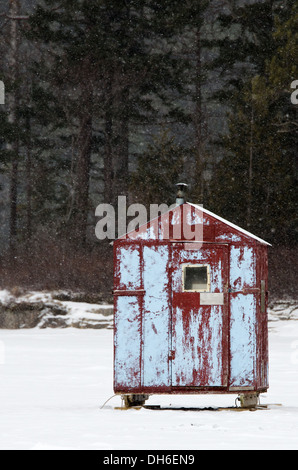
[{"x": 109, "y": 97}]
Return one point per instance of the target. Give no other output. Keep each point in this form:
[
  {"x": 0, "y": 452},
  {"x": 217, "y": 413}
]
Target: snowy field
[{"x": 55, "y": 381}]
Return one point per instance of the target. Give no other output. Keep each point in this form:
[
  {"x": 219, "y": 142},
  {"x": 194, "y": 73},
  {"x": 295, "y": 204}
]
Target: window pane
[{"x": 196, "y": 278}]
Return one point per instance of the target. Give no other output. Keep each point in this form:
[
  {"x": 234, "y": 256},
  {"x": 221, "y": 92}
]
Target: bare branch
[
  {"x": 288, "y": 123},
  {"x": 16, "y": 18}
]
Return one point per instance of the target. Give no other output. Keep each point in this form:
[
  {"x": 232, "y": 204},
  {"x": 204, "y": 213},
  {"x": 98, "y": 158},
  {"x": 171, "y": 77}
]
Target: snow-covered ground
[{"x": 55, "y": 381}]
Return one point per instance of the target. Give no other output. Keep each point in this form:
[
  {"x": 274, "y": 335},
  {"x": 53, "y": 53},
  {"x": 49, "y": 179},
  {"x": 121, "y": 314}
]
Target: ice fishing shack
[{"x": 190, "y": 312}]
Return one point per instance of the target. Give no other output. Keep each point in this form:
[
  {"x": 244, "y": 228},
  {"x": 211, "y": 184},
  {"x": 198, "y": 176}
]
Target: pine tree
[
  {"x": 13, "y": 101},
  {"x": 23, "y": 132},
  {"x": 114, "y": 61},
  {"x": 158, "y": 170},
  {"x": 256, "y": 180},
  {"x": 245, "y": 43}
]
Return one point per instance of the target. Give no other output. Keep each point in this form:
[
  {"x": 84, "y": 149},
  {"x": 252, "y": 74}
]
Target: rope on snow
[{"x": 107, "y": 401}]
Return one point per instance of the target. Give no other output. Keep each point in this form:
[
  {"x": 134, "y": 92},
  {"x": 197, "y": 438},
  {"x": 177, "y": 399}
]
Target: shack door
[{"x": 199, "y": 319}]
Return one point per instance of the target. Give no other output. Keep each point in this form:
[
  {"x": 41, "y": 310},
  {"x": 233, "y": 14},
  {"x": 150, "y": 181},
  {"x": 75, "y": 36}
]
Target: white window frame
[{"x": 184, "y": 266}]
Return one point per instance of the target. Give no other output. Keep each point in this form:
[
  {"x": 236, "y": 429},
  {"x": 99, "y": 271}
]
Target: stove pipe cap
[{"x": 180, "y": 198}]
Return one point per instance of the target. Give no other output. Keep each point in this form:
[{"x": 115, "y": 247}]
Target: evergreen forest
[{"x": 108, "y": 98}]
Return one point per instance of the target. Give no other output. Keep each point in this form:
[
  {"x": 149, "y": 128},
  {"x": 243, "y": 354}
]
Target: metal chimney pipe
[{"x": 180, "y": 198}]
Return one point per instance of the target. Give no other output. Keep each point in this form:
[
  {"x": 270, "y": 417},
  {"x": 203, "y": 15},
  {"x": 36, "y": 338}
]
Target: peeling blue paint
[
  {"x": 163, "y": 338},
  {"x": 129, "y": 267},
  {"x": 198, "y": 350},
  {"x": 242, "y": 267},
  {"x": 127, "y": 342},
  {"x": 243, "y": 339},
  {"x": 156, "y": 317}
]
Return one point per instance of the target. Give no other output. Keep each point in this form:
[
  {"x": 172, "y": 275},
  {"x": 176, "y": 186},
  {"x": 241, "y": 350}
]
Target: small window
[{"x": 196, "y": 278}]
